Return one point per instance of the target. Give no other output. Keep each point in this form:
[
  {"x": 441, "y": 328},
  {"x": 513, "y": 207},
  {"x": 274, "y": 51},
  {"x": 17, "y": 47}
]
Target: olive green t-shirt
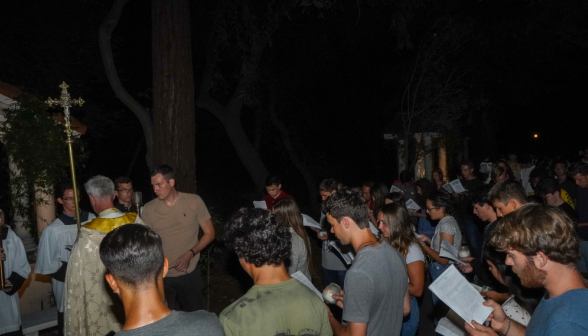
[{"x": 287, "y": 308}]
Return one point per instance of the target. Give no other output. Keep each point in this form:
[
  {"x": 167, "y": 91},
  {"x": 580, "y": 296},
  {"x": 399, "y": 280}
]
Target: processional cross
[{"x": 66, "y": 102}]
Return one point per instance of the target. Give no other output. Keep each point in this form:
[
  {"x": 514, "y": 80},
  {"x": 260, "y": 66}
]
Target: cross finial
[
  {"x": 64, "y": 101},
  {"x": 63, "y": 87}
]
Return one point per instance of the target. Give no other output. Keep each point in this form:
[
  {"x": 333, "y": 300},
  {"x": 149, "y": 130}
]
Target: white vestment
[
  {"x": 91, "y": 308},
  {"x": 54, "y": 250},
  {"x": 16, "y": 261}
]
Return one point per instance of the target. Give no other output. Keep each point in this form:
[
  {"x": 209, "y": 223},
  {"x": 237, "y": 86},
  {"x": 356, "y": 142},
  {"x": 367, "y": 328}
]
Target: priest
[
  {"x": 16, "y": 271},
  {"x": 89, "y": 307},
  {"x": 56, "y": 243}
]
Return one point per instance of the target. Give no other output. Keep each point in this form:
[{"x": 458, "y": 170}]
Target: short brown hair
[
  {"x": 507, "y": 190},
  {"x": 537, "y": 228}
]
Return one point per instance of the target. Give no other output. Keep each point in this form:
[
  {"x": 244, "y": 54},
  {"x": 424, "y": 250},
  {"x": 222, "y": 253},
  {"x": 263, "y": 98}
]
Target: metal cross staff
[{"x": 66, "y": 102}]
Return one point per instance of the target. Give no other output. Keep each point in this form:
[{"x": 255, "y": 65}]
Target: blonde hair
[{"x": 397, "y": 219}]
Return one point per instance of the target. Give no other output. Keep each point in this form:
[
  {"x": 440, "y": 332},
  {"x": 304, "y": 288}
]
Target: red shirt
[{"x": 270, "y": 201}]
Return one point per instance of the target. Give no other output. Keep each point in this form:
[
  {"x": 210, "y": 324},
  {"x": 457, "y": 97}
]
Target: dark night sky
[{"x": 340, "y": 79}]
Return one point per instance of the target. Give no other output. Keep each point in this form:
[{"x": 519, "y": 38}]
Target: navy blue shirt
[{"x": 562, "y": 315}]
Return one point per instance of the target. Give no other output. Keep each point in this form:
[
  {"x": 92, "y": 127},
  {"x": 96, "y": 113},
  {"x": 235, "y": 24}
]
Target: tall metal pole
[{"x": 66, "y": 102}]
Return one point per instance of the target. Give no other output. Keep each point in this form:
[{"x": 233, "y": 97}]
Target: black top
[{"x": 122, "y": 208}]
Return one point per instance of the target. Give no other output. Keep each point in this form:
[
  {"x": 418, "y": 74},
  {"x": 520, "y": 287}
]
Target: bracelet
[
  {"x": 507, "y": 329},
  {"x": 193, "y": 253},
  {"x": 422, "y": 243}
]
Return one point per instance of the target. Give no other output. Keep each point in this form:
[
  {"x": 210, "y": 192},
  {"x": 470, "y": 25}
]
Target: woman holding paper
[
  {"x": 439, "y": 207},
  {"x": 394, "y": 222},
  {"x": 300, "y": 259}
]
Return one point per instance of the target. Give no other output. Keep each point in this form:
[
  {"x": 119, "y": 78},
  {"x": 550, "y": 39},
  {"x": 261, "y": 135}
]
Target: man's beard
[{"x": 531, "y": 276}]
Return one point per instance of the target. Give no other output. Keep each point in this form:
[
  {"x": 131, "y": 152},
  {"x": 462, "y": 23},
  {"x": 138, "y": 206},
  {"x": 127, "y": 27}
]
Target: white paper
[
  {"x": 304, "y": 280},
  {"x": 447, "y": 187},
  {"x": 260, "y": 205},
  {"x": 456, "y": 292},
  {"x": 394, "y": 188},
  {"x": 457, "y": 186},
  {"x": 308, "y": 221},
  {"x": 485, "y": 167},
  {"x": 348, "y": 257},
  {"x": 411, "y": 205},
  {"x": 447, "y": 328},
  {"x": 450, "y": 252}
]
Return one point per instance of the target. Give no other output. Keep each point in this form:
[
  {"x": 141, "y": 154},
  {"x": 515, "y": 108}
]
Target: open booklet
[
  {"x": 259, "y": 204},
  {"x": 347, "y": 257},
  {"x": 456, "y": 292},
  {"x": 394, "y": 188},
  {"x": 310, "y": 222},
  {"x": 412, "y": 205},
  {"x": 304, "y": 280},
  {"x": 450, "y": 252},
  {"x": 454, "y": 186}
]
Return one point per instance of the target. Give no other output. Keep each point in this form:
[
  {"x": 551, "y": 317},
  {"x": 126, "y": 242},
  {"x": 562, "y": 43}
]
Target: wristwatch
[{"x": 193, "y": 253}]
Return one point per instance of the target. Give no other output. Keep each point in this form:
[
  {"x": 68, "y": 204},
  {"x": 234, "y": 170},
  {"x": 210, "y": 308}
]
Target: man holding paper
[
  {"x": 542, "y": 247},
  {"x": 376, "y": 285}
]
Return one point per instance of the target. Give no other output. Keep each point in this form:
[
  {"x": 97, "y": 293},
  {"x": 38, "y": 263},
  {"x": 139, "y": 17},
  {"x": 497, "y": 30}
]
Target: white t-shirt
[{"x": 415, "y": 253}]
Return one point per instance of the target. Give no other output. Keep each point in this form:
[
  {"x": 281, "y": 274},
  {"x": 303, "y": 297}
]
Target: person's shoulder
[
  {"x": 200, "y": 318},
  {"x": 151, "y": 204}
]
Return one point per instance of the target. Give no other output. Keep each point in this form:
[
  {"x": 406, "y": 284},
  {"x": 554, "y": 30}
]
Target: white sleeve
[
  {"x": 21, "y": 264},
  {"x": 415, "y": 253},
  {"x": 49, "y": 255}
]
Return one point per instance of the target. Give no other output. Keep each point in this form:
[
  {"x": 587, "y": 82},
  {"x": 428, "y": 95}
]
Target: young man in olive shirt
[
  {"x": 177, "y": 218},
  {"x": 277, "y": 304}
]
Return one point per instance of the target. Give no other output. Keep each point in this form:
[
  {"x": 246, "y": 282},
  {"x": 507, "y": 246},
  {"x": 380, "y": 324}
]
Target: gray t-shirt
[
  {"x": 446, "y": 225},
  {"x": 375, "y": 286},
  {"x": 179, "y": 323}
]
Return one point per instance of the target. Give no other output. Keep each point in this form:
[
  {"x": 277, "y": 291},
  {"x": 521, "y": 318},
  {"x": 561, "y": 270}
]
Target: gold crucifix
[{"x": 66, "y": 102}]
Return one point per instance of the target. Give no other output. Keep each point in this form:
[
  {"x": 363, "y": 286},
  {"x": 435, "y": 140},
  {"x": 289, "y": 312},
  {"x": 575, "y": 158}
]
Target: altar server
[
  {"x": 56, "y": 243},
  {"x": 16, "y": 271}
]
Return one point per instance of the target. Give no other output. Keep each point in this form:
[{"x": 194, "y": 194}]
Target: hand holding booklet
[
  {"x": 450, "y": 252},
  {"x": 310, "y": 222},
  {"x": 456, "y": 292}
]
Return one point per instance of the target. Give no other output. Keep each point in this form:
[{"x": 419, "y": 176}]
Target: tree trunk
[
  {"x": 246, "y": 152},
  {"x": 104, "y": 37},
  {"x": 173, "y": 91}
]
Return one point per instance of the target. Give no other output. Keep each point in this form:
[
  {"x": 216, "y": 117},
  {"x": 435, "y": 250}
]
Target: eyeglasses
[
  {"x": 69, "y": 199},
  {"x": 430, "y": 209},
  {"x": 126, "y": 191}
]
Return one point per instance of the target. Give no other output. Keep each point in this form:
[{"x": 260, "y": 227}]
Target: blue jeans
[
  {"x": 337, "y": 277},
  {"x": 410, "y": 325},
  {"x": 473, "y": 237},
  {"x": 436, "y": 269},
  {"x": 425, "y": 228}
]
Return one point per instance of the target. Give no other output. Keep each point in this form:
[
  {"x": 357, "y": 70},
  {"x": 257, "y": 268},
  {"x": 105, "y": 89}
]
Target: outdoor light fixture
[{"x": 535, "y": 135}]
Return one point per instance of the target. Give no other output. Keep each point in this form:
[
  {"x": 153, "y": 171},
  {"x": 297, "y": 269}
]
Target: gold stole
[{"x": 108, "y": 224}]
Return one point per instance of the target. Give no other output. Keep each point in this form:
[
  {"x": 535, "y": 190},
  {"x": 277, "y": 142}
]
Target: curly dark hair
[{"x": 259, "y": 237}]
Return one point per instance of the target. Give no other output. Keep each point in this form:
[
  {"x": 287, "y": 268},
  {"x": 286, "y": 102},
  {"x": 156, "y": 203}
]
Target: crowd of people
[{"x": 525, "y": 225}]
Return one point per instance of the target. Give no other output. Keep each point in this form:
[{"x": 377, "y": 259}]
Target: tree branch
[{"x": 104, "y": 39}]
